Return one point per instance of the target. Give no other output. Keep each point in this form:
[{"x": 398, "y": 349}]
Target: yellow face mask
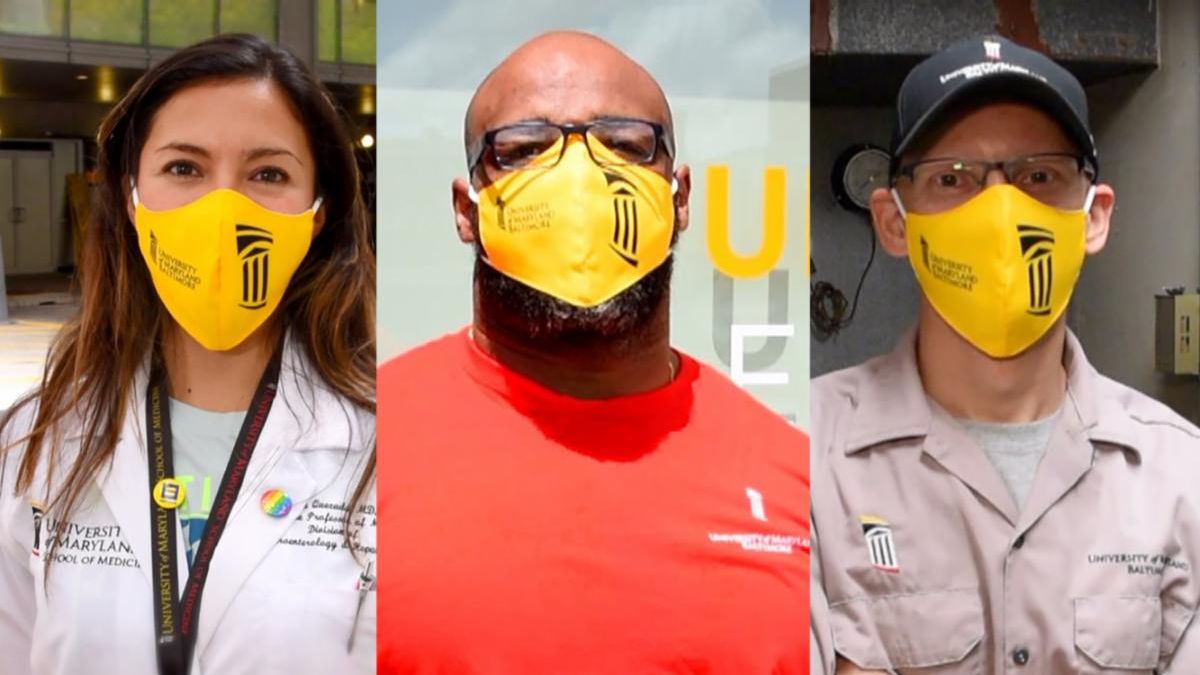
[
  {"x": 999, "y": 269},
  {"x": 578, "y": 231},
  {"x": 222, "y": 263}
]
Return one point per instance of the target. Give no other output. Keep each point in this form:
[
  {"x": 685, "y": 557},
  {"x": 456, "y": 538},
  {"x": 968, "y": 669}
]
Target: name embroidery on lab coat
[{"x": 322, "y": 525}]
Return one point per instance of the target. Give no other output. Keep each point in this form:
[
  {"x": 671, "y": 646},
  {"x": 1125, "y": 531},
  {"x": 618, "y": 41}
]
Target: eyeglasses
[
  {"x": 1056, "y": 179},
  {"x": 523, "y": 145}
]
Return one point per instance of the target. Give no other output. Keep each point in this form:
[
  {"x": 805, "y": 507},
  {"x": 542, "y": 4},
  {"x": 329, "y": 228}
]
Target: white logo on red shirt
[
  {"x": 761, "y": 542},
  {"x": 756, "y": 504}
]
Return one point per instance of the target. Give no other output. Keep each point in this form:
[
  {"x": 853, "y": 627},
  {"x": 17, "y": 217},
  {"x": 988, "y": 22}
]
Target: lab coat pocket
[
  {"x": 1118, "y": 632},
  {"x": 924, "y": 633},
  {"x": 306, "y": 629}
]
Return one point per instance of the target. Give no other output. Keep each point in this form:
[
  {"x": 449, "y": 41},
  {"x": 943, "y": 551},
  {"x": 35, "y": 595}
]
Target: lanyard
[{"x": 175, "y": 619}]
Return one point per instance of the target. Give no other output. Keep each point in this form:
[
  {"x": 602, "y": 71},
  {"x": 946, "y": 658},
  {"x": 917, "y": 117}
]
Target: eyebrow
[
  {"x": 186, "y": 148},
  {"x": 249, "y": 155},
  {"x": 270, "y": 151}
]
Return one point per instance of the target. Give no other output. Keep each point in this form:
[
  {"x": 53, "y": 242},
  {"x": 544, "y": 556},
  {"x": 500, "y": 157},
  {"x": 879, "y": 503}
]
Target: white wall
[{"x": 1148, "y": 131}]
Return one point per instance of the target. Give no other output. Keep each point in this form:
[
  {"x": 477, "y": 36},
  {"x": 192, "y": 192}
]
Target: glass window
[
  {"x": 107, "y": 20},
  {"x": 179, "y": 23},
  {"x": 358, "y": 31},
  {"x": 249, "y": 16},
  {"x": 171, "y": 23},
  {"x": 32, "y": 17},
  {"x": 327, "y": 30},
  {"x": 346, "y": 31}
]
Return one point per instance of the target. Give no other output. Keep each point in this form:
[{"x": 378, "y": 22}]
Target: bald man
[{"x": 562, "y": 492}]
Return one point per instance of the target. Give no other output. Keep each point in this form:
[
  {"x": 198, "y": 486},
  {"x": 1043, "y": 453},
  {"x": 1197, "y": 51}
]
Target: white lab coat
[{"x": 272, "y": 604}]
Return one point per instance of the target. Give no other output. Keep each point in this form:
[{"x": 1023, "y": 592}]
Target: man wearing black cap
[{"x": 983, "y": 500}]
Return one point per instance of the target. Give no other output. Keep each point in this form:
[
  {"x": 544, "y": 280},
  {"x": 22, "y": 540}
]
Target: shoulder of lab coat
[
  {"x": 17, "y": 602},
  {"x": 316, "y": 417},
  {"x": 319, "y": 417}
]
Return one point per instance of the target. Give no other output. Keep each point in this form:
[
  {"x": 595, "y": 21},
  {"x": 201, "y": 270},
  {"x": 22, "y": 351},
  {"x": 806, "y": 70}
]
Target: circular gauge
[{"x": 859, "y": 170}]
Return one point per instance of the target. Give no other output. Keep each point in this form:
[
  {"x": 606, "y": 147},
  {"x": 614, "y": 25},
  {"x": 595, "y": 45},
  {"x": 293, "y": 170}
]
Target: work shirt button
[
  {"x": 1019, "y": 542},
  {"x": 1020, "y": 656}
]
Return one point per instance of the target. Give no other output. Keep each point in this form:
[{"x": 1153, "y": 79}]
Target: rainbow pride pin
[{"x": 276, "y": 503}]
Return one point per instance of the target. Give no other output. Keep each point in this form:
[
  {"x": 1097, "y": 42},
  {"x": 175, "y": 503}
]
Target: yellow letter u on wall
[{"x": 770, "y": 250}]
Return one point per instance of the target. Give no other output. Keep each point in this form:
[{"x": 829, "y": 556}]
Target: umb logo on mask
[
  {"x": 625, "y": 218},
  {"x": 153, "y": 248},
  {"x": 1037, "y": 244},
  {"x": 991, "y": 49},
  {"x": 254, "y": 248}
]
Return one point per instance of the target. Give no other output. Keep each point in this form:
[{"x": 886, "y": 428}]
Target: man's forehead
[
  {"x": 566, "y": 78},
  {"x": 564, "y": 103}
]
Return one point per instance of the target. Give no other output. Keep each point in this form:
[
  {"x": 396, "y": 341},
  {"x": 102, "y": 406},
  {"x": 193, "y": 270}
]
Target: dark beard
[{"x": 541, "y": 319}]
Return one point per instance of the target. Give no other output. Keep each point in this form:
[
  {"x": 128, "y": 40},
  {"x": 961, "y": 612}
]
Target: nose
[
  {"x": 995, "y": 176},
  {"x": 226, "y": 177},
  {"x": 575, "y": 142}
]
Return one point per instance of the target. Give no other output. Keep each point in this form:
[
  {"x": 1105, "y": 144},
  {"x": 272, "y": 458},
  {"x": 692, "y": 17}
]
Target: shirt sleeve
[
  {"x": 17, "y": 600},
  {"x": 1186, "y": 656}
]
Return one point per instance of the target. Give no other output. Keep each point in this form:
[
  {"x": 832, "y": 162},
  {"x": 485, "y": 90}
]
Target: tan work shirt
[{"x": 927, "y": 565}]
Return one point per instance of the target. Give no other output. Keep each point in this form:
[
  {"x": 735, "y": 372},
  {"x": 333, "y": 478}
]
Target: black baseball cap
[{"x": 984, "y": 67}]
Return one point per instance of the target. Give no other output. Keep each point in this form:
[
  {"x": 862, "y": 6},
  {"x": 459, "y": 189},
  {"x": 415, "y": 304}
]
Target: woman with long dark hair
[{"x": 190, "y": 488}]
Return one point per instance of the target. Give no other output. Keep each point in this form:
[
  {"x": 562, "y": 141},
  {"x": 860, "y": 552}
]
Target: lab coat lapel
[
  {"x": 251, "y": 534},
  {"x": 125, "y": 486},
  {"x": 277, "y": 463}
]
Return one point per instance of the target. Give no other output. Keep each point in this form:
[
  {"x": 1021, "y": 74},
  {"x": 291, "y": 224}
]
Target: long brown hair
[{"x": 329, "y": 307}]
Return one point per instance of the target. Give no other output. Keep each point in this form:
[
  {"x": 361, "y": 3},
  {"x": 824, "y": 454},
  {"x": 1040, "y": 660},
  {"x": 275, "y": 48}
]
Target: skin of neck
[
  {"x": 598, "y": 370},
  {"x": 969, "y": 384},
  {"x": 216, "y": 381}
]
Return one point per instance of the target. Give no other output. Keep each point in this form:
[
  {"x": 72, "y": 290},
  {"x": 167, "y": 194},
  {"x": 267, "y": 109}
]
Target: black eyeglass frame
[
  {"x": 1084, "y": 163},
  {"x": 662, "y": 140}
]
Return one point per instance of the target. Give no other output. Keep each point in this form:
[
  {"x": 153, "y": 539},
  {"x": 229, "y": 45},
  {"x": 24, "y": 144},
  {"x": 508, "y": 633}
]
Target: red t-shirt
[{"x": 527, "y": 532}]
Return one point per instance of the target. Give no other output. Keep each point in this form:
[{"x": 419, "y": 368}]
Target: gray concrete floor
[{"x": 34, "y": 320}]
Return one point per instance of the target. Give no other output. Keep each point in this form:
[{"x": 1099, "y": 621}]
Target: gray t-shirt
[
  {"x": 1015, "y": 449},
  {"x": 203, "y": 442}
]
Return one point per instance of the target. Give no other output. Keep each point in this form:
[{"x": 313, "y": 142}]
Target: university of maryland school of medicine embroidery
[{"x": 881, "y": 548}]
